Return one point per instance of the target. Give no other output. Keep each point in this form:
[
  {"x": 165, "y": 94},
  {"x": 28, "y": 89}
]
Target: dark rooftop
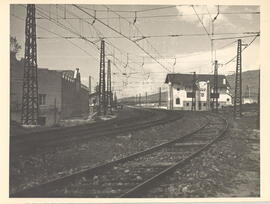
[{"x": 187, "y": 79}]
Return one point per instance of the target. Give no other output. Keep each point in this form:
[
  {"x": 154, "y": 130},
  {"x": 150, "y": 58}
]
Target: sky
[{"x": 144, "y": 42}]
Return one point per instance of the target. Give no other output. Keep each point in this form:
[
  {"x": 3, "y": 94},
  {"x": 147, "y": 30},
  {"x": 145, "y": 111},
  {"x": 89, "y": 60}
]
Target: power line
[
  {"x": 60, "y": 36},
  {"x": 130, "y": 23},
  {"x": 166, "y": 7},
  {"x": 242, "y": 49},
  {"x": 100, "y": 36},
  {"x": 80, "y": 37},
  {"x": 201, "y": 22},
  {"x": 123, "y": 36},
  {"x": 236, "y": 37},
  {"x": 169, "y": 36}
]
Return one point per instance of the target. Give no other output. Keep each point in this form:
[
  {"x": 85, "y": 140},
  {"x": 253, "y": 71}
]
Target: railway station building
[
  {"x": 61, "y": 94},
  {"x": 180, "y": 91}
]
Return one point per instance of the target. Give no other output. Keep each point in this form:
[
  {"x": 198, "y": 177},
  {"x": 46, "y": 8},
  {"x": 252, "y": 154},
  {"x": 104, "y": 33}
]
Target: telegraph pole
[
  {"x": 30, "y": 106},
  {"x": 193, "y": 105},
  {"x": 109, "y": 87},
  {"x": 216, "y": 95},
  {"x": 238, "y": 82},
  {"x": 102, "y": 95}
]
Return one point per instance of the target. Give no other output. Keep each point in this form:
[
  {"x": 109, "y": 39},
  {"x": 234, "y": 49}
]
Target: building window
[
  {"x": 224, "y": 81},
  {"x": 202, "y": 94},
  {"x": 177, "y": 101},
  {"x": 228, "y": 99},
  {"x": 178, "y": 89},
  {"x": 204, "y": 104},
  {"x": 42, "y": 99},
  {"x": 187, "y": 104}
]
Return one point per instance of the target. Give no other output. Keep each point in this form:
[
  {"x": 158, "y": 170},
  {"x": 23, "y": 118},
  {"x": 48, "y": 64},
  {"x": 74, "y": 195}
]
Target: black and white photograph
[{"x": 134, "y": 100}]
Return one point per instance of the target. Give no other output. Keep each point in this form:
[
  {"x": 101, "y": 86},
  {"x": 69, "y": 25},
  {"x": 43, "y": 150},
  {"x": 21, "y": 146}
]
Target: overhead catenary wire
[
  {"x": 201, "y": 22},
  {"x": 137, "y": 29},
  {"x": 123, "y": 36},
  {"x": 79, "y": 36},
  {"x": 229, "y": 61},
  {"x": 60, "y": 36},
  {"x": 149, "y": 36},
  {"x": 172, "y": 36}
]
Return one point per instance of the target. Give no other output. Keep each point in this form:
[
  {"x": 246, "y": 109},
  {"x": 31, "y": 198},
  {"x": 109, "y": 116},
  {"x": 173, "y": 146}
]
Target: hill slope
[{"x": 250, "y": 85}]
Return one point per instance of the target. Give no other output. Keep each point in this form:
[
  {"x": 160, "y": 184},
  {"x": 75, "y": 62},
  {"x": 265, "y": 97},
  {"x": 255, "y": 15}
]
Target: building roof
[{"x": 187, "y": 79}]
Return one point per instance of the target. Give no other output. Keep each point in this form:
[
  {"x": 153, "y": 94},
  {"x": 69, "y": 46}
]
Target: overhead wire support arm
[
  {"x": 120, "y": 33},
  {"x": 200, "y": 20}
]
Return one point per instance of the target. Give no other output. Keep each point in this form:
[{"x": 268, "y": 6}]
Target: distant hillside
[
  {"x": 153, "y": 98},
  {"x": 250, "y": 83},
  {"x": 250, "y": 80}
]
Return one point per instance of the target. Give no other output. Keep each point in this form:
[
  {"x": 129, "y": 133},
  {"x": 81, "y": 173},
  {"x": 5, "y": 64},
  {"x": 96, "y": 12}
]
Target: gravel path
[{"x": 229, "y": 168}]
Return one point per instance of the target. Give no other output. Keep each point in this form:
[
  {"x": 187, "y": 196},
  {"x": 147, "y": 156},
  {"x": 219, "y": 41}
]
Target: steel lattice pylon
[
  {"x": 194, "y": 87},
  {"x": 102, "y": 95},
  {"x": 215, "y": 99},
  {"x": 238, "y": 82},
  {"x": 30, "y": 106},
  {"x": 109, "y": 87}
]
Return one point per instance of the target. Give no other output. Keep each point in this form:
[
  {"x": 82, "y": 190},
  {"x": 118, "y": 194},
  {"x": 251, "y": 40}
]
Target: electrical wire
[
  {"x": 201, "y": 22},
  {"x": 123, "y": 36},
  {"x": 242, "y": 50}
]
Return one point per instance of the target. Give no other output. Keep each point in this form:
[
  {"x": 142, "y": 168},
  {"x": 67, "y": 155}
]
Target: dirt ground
[
  {"x": 29, "y": 170},
  {"x": 229, "y": 168}
]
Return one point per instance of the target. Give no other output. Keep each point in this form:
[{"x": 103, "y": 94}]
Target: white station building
[{"x": 180, "y": 91}]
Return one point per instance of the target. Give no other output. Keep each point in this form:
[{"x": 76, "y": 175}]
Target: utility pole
[
  {"x": 30, "y": 105},
  {"x": 109, "y": 87},
  {"x": 159, "y": 98},
  {"x": 238, "y": 82},
  {"x": 215, "y": 95},
  {"x": 139, "y": 99},
  {"x": 193, "y": 105},
  {"x": 102, "y": 95}
]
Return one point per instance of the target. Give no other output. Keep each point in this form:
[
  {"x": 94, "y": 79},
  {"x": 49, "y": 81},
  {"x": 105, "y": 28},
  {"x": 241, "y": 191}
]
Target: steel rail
[
  {"x": 87, "y": 134},
  {"x": 39, "y": 190},
  {"x": 142, "y": 188}
]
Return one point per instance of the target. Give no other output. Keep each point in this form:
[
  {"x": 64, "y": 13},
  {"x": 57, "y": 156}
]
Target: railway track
[
  {"x": 133, "y": 175},
  {"x": 34, "y": 142}
]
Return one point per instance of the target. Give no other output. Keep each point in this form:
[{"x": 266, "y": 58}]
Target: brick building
[
  {"x": 180, "y": 91},
  {"x": 61, "y": 94}
]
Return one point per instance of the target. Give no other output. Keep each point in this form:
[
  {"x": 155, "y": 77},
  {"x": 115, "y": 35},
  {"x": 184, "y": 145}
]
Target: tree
[{"x": 14, "y": 46}]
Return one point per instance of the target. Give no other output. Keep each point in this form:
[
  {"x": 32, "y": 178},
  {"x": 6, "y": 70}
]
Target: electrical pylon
[
  {"x": 30, "y": 106},
  {"x": 109, "y": 87},
  {"x": 102, "y": 109},
  {"x": 194, "y": 87},
  {"x": 215, "y": 99},
  {"x": 238, "y": 82}
]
